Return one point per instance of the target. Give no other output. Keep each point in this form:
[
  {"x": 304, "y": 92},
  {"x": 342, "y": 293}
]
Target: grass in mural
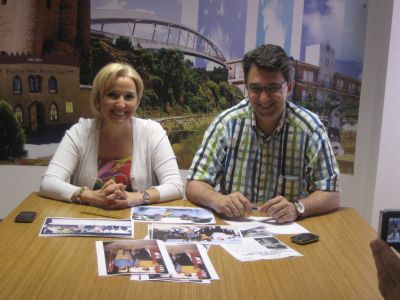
[{"x": 185, "y": 135}]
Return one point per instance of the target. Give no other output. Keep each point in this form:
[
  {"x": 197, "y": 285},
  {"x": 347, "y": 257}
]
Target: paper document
[
  {"x": 270, "y": 225},
  {"x": 260, "y": 248}
]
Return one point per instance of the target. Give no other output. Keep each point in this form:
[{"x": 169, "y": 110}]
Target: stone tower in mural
[
  {"x": 42, "y": 44},
  {"x": 38, "y": 27}
]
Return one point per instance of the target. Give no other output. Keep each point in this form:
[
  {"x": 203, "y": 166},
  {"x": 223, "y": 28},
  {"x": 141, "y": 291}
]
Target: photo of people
[
  {"x": 191, "y": 263},
  {"x": 205, "y": 234},
  {"x": 271, "y": 243},
  {"x": 393, "y": 230},
  {"x": 133, "y": 257},
  {"x": 86, "y": 227},
  {"x": 257, "y": 231},
  {"x": 164, "y": 214}
]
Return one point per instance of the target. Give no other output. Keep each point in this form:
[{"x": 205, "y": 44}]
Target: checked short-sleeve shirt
[{"x": 294, "y": 161}]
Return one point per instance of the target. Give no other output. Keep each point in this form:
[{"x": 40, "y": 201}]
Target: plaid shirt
[{"x": 294, "y": 161}]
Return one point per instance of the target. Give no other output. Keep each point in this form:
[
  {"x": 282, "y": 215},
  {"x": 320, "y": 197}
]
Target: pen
[{"x": 99, "y": 215}]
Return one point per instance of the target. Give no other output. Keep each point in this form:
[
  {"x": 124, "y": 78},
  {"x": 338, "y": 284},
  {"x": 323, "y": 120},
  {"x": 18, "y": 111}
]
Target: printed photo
[
  {"x": 86, "y": 227},
  {"x": 205, "y": 234},
  {"x": 271, "y": 243},
  {"x": 255, "y": 231},
  {"x": 191, "y": 263},
  {"x": 133, "y": 257},
  {"x": 165, "y": 214}
]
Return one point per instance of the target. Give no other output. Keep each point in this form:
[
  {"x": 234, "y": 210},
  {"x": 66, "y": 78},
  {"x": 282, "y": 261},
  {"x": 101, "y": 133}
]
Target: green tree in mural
[
  {"x": 12, "y": 136},
  {"x": 230, "y": 95},
  {"x": 171, "y": 68},
  {"x": 171, "y": 83},
  {"x": 123, "y": 43}
]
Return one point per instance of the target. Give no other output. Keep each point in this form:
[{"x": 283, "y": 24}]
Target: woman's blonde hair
[{"x": 106, "y": 77}]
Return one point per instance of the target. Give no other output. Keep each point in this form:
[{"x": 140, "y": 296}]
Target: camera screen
[{"x": 393, "y": 232}]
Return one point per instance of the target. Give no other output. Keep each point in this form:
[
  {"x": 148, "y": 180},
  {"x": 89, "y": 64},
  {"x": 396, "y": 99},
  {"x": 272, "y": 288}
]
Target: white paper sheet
[
  {"x": 260, "y": 248},
  {"x": 271, "y": 225}
]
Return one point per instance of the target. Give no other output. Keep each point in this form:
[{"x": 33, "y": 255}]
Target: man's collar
[{"x": 278, "y": 128}]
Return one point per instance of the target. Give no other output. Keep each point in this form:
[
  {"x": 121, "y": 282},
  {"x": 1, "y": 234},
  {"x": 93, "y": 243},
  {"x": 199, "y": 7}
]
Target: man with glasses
[{"x": 265, "y": 152}]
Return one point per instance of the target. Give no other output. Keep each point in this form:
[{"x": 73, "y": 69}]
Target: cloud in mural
[
  {"x": 220, "y": 38},
  {"x": 220, "y": 11},
  {"x": 338, "y": 22},
  {"x": 114, "y": 4},
  {"x": 274, "y": 28},
  {"x": 323, "y": 23}
]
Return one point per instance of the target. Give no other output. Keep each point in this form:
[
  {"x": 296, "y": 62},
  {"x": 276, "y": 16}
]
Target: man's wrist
[{"x": 299, "y": 208}]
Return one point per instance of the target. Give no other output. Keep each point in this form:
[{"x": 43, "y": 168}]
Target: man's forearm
[
  {"x": 201, "y": 193},
  {"x": 320, "y": 202}
]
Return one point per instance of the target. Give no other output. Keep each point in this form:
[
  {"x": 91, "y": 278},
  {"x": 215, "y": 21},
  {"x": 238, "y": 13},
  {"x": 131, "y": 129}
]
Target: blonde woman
[{"x": 115, "y": 160}]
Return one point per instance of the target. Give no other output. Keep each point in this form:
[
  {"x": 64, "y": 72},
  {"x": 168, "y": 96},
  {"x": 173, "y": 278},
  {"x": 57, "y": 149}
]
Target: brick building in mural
[{"x": 41, "y": 42}]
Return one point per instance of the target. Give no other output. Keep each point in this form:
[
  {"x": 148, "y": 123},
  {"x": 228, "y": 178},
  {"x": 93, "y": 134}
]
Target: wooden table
[{"x": 339, "y": 266}]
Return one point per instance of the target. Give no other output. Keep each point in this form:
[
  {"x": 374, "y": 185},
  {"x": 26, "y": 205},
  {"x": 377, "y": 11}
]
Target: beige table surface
[{"x": 339, "y": 266}]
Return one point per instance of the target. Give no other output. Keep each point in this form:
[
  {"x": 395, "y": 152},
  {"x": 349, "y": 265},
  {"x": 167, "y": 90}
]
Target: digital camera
[{"x": 389, "y": 227}]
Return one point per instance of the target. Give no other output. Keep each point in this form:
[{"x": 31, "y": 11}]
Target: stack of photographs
[{"x": 154, "y": 260}]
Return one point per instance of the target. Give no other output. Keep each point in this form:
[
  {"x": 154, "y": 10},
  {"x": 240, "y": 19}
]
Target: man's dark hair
[{"x": 270, "y": 58}]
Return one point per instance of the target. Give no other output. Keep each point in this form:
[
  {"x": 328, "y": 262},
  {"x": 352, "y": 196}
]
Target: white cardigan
[{"x": 153, "y": 161}]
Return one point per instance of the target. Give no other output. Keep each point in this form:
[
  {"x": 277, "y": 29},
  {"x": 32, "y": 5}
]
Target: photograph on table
[
  {"x": 86, "y": 227},
  {"x": 172, "y": 214},
  {"x": 205, "y": 234},
  {"x": 133, "y": 257},
  {"x": 252, "y": 230},
  {"x": 271, "y": 243},
  {"x": 191, "y": 263}
]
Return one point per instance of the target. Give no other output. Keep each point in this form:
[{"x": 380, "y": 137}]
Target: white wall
[
  {"x": 376, "y": 182},
  {"x": 387, "y": 184},
  {"x": 359, "y": 190},
  {"x": 16, "y": 183}
]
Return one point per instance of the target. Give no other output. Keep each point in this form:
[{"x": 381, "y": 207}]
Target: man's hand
[
  {"x": 232, "y": 205},
  {"x": 388, "y": 267},
  {"x": 280, "y": 209}
]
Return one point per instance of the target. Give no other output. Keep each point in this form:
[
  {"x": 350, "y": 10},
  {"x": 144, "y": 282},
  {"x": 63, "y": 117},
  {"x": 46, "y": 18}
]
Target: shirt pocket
[{"x": 291, "y": 187}]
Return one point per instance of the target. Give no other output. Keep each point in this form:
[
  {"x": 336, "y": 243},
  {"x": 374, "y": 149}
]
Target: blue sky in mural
[
  {"x": 274, "y": 23},
  {"x": 224, "y": 23},
  {"x": 342, "y": 25},
  {"x": 339, "y": 23},
  {"x": 170, "y": 9}
]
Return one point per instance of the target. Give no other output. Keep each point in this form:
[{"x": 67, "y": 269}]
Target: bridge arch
[{"x": 155, "y": 32}]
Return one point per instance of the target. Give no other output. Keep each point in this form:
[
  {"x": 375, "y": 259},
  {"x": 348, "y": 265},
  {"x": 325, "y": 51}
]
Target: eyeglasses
[{"x": 269, "y": 89}]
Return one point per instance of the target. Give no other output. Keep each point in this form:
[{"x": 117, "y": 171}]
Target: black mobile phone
[
  {"x": 25, "y": 217},
  {"x": 304, "y": 238},
  {"x": 389, "y": 227}
]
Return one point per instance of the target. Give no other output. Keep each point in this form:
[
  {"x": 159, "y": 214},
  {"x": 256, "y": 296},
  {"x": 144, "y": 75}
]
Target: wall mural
[{"x": 189, "y": 55}]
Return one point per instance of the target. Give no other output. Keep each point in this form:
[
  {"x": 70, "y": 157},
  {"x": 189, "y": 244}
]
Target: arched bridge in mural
[{"x": 151, "y": 31}]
